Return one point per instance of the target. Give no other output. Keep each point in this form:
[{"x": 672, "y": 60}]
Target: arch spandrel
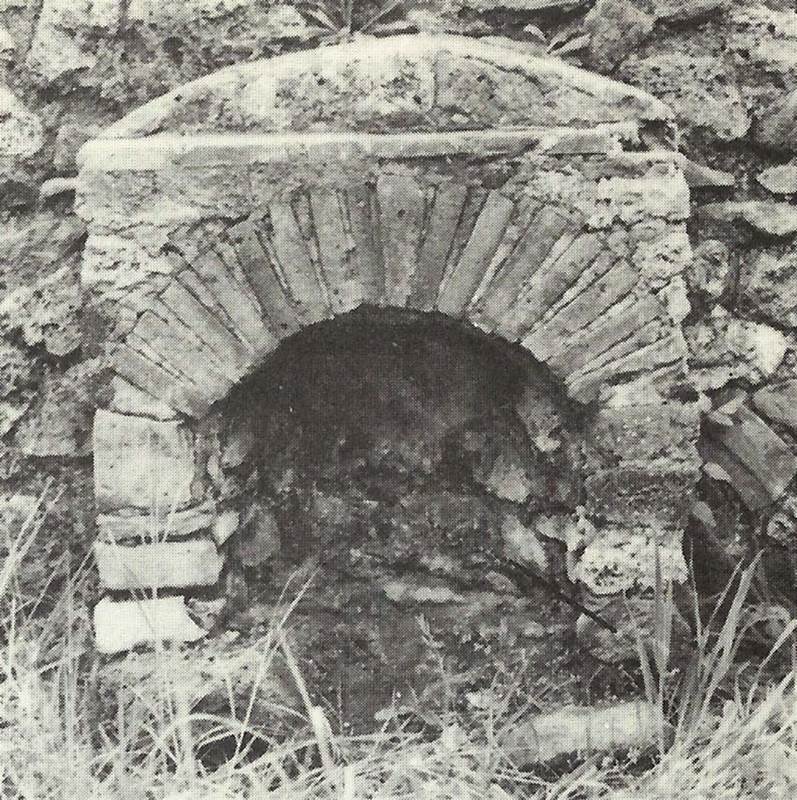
[
  {"x": 381, "y": 85},
  {"x": 220, "y": 225}
]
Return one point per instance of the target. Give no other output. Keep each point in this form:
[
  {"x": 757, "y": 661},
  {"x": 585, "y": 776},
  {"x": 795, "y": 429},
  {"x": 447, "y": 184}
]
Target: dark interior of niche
[{"x": 375, "y": 443}]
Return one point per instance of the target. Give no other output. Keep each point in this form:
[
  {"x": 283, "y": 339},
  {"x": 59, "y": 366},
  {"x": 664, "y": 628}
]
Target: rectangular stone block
[
  {"x": 363, "y": 217},
  {"x": 646, "y": 353},
  {"x": 160, "y": 565},
  {"x": 643, "y": 433},
  {"x": 228, "y": 349},
  {"x": 778, "y": 403},
  {"x": 242, "y": 310},
  {"x": 753, "y": 493},
  {"x": 130, "y": 527},
  {"x": 142, "y": 463},
  {"x": 250, "y": 242},
  {"x": 604, "y": 284},
  {"x": 123, "y": 625},
  {"x": 177, "y": 346},
  {"x": 758, "y": 448},
  {"x": 656, "y": 494},
  {"x": 553, "y": 278}
]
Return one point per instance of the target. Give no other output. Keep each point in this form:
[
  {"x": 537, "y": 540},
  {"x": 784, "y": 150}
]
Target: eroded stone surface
[
  {"x": 619, "y": 559},
  {"x": 723, "y": 347},
  {"x": 21, "y": 131},
  {"x": 142, "y": 463},
  {"x": 405, "y": 80}
]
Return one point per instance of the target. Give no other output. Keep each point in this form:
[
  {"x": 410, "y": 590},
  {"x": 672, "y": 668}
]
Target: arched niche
[{"x": 432, "y": 174}]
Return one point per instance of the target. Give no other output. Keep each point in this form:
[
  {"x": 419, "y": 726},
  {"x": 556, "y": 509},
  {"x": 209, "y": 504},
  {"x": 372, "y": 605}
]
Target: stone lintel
[{"x": 162, "y": 151}]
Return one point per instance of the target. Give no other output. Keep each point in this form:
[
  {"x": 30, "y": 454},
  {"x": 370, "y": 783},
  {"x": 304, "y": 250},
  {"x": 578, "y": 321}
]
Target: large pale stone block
[
  {"x": 122, "y": 625},
  {"x": 160, "y": 565},
  {"x": 141, "y": 462}
]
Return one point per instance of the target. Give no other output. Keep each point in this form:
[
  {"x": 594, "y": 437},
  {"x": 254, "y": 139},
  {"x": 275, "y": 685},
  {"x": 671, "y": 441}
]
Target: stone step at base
[{"x": 121, "y": 625}]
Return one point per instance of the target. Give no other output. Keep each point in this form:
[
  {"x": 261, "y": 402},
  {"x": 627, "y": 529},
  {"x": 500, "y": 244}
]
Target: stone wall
[{"x": 728, "y": 69}]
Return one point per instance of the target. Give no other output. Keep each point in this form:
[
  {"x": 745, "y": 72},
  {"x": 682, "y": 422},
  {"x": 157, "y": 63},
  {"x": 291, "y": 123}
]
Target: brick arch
[{"x": 207, "y": 248}]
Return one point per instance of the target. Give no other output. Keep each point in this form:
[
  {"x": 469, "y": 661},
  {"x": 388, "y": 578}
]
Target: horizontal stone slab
[
  {"x": 165, "y": 150},
  {"x": 121, "y": 625},
  {"x": 134, "y": 527},
  {"x": 161, "y": 565}
]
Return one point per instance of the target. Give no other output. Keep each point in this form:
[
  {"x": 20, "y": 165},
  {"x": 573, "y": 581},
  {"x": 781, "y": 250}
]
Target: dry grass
[{"x": 728, "y": 734}]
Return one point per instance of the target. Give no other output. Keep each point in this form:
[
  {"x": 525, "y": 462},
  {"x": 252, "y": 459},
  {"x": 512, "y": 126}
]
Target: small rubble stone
[
  {"x": 709, "y": 271},
  {"x": 701, "y": 88},
  {"x": 778, "y": 402},
  {"x": 21, "y": 131},
  {"x": 724, "y": 348},
  {"x": 509, "y": 480},
  {"x": 768, "y": 285},
  {"x": 686, "y": 10},
  {"x": 776, "y": 128},
  {"x": 780, "y": 180},
  {"x": 7, "y": 44},
  {"x": 770, "y": 217},
  {"x": 260, "y": 541},
  {"x": 207, "y": 613},
  {"x": 523, "y": 544},
  {"x": 762, "y": 452},
  {"x": 226, "y": 524},
  {"x": 16, "y": 368},
  {"x": 616, "y": 28},
  {"x": 619, "y": 559},
  {"x": 59, "y": 424},
  {"x": 56, "y": 50},
  {"x": 545, "y": 737},
  {"x": 121, "y": 625}
]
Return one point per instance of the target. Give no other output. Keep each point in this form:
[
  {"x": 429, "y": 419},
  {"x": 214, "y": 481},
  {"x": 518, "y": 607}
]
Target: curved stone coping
[
  {"x": 163, "y": 150},
  {"x": 386, "y": 80}
]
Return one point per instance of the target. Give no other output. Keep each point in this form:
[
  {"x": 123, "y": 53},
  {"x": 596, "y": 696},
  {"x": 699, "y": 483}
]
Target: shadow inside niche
[{"x": 393, "y": 456}]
